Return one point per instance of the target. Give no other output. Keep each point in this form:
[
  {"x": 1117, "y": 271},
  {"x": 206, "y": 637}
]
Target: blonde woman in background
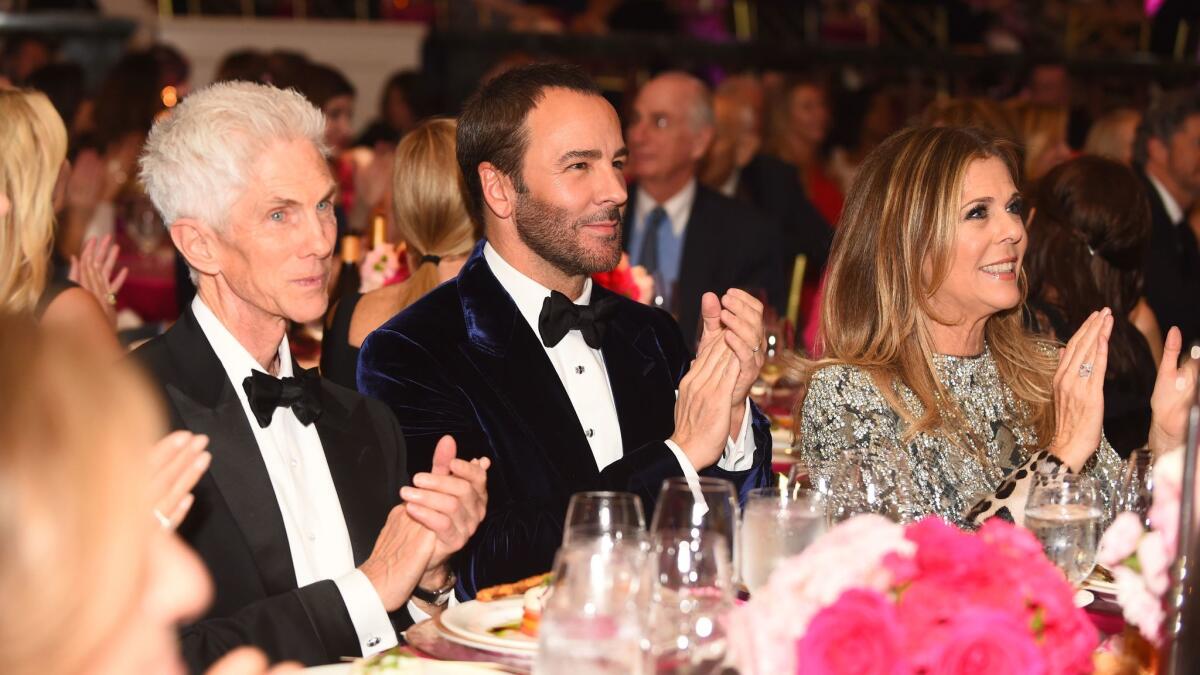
[
  {"x": 1112, "y": 135},
  {"x": 33, "y": 173},
  {"x": 930, "y": 383},
  {"x": 431, "y": 218},
  {"x": 1042, "y": 130},
  {"x": 92, "y": 582},
  {"x": 982, "y": 113}
]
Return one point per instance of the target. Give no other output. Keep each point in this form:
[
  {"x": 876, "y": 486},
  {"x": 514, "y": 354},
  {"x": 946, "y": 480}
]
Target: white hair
[{"x": 197, "y": 159}]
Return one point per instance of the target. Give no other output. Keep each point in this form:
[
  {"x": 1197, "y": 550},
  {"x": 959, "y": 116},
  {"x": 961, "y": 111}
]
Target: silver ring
[
  {"x": 757, "y": 349},
  {"x": 164, "y": 521},
  {"x": 1085, "y": 370}
]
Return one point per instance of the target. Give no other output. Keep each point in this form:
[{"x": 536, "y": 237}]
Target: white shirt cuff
[
  {"x": 689, "y": 474},
  {"x": 418, "y": 615},
  {"x": 370, "y": 619},
  {"x": 736, "y": 457}
]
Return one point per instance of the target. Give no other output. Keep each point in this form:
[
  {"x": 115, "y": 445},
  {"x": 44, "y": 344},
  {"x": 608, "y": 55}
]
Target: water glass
[
  {"x": 777, "y": 523},
  {"x": 690, "y": 591},
  {"x": 603, "y": 514},
  {"x": 592, "y": 615},
  {"x": 1064, "y": 513},
  {"x": 715, "y": 511},
  {"x": 1136, "y": 489}
]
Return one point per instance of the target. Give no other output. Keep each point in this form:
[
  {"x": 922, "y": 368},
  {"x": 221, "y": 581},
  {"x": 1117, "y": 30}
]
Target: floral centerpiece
[
  {"x": 632, "y": 282},
  {"x": 874, "y": 597},
  {"x": 1140, "y": 559},
  {"x": 380, "y": 267}
]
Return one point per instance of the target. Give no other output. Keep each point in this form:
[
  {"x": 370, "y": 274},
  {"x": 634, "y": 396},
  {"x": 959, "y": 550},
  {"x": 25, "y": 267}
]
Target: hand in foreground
[
  {"x": 399, "y": 559},
  {"x": 1079, "y": 391},
  {"x": 93, "y": 270},
  {"x": 176, "y": 463},
  {"x": 450, "y": 501},
  {"x": 702, "y": 410},
  {"x": 251, "y": 661},
  {"x": 1173, "y": 391}
]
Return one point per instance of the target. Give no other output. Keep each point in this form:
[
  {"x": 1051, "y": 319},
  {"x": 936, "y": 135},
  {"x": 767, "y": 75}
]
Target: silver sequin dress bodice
[{"x": 845, "y": 415}]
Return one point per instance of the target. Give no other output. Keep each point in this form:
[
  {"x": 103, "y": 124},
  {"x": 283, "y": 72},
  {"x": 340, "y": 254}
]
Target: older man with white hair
[{"x": 299, "y": 517}]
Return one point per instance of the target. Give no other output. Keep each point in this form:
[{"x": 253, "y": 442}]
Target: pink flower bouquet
[
  {"x": 873, "y": 597},
  {"x": 378, "y": 268},
  {"x": 1140, "y": 559}
]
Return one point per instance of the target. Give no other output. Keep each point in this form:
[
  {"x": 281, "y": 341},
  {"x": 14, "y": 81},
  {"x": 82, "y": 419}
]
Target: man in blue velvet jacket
[{"x": 565, "y": 386}]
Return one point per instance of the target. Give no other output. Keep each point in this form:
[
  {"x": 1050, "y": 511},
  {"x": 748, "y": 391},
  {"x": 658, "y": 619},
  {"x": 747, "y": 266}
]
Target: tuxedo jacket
[
  {"x": 727, "y": 244},
  {"x": 1172, "y": 269},
  {"x": 772, "y": 186},
  {"x": 235, "y": 524},
  {"x": 464, "y": 361}
]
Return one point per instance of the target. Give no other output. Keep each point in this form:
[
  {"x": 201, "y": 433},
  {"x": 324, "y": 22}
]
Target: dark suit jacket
[
  {"x": 463, "y": 361},
  {"x": 1172, "y": 271},
  {"x": 726, "y": 245},
  {"x": 235, "y": 523},
  {"x": 771, "y": 185}
]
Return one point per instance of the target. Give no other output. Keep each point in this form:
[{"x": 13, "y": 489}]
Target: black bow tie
[
  {"x": 301, "y": 393},
  {"x": 560, "y": 316}
]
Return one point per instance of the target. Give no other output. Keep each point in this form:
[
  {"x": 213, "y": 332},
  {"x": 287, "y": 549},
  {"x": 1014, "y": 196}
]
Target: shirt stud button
[
  {"x": 579, "y": 370},
  {"x": 373, "y": 642},
  {"x": 590, "y": 433}
]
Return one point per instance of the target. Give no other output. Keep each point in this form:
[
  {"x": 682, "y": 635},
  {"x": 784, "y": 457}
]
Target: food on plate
[
  {"x": 516, "y": 588},
  {"x": 531, "y": 614}
]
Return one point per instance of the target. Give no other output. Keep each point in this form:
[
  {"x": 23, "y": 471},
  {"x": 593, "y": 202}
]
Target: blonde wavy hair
[
  {"x": 427, "y": 203},
  {"x": 34, "y": 143},
  {"x": 74, "y": 432},
  {"x": 891, "y": 253},
  {"x": 1040, "y": 127}
]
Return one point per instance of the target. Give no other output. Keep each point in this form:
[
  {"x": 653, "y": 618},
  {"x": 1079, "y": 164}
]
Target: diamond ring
[{"x": 1085, "y": 370}]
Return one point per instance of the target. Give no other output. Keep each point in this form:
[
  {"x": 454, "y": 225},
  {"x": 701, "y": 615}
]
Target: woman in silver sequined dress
[{"x": 929, "y": 382}]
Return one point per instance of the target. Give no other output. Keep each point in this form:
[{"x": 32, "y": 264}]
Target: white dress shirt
[
  {"x": 583, "y": 374},
  {"x": 1174, "y": 210},
  {"x": 312, "y": 513}
]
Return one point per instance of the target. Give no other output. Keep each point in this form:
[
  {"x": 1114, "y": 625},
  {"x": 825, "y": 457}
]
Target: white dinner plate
[
  {"x": 1083, "y": 598},
  {"x": 474, "y": 623}
]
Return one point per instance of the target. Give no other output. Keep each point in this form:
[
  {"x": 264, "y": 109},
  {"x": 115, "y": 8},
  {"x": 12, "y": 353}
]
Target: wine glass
[
  {"x": 608, "y": 514},
  {"x": 591, "y": 620},
  {"x": 690, "y": 591},
  {"x": 1064, "y": 513},
  {"x": 1136, "y": 489},
  {"x": 777, "y": 523},
  {"x": 871, "y": 482}
]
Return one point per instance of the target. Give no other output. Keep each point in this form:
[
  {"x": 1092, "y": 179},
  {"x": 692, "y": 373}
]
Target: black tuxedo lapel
[
  {"x": 208, "y": 405},
  {"x": 633, "y": 360},
  {"x": 356, "y": 464},
  {"x": 510, "y": 357}
]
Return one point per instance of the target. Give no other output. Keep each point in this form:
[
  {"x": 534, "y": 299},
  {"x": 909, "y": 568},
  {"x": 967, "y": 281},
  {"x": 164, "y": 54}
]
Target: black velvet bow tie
[
  {"x": 560, "y": 316},
  {"x": 301, "y": 393}
]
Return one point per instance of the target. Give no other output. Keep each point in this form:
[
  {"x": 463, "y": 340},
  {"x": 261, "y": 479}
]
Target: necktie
[
  {"x": 560, "y": 316},
  {"x": 649, "y": 254},
  {"x": 301, "y": 393}
]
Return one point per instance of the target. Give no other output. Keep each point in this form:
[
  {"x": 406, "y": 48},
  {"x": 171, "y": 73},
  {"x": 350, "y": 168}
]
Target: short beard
[{"x": 543, "y": 227}]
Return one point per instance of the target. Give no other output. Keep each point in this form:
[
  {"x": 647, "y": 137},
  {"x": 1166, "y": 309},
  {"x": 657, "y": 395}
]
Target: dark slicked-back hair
[
  {"x": 1163, "y": 118},
  {"x": 492, "y": 125}
]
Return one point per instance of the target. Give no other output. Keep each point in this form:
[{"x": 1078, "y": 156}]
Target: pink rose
[
  {"x": 1152, "y": 557},
  {"x": 1139, "y": 606},
  {"x": 1120, "y": 540},
  {"x": 857, "y": 635},
  {"x": 1015, "y": 541},
  {"x": 946, "y": 552},
  {"x": 980, "y": 641},
  {"x": 1068, "y": 639}
]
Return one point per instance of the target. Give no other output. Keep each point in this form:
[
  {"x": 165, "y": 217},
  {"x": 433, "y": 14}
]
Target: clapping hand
[
  {"x": 1079, "y": 391},
  {"x": 93, "y": 270},
  {"x": 176, "y": 463},
  {"x": 737, "y": 319},
  {"x": 702, "y": 420},
  {"x": 1173, "y": 391}
]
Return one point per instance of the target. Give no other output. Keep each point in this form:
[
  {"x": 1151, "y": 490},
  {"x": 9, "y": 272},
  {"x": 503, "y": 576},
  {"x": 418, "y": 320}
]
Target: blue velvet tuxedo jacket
[{"x": 463, "y": 361}]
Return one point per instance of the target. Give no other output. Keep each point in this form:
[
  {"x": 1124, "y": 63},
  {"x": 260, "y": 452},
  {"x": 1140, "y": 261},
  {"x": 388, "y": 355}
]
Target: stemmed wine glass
[
  {"x": 690, "y": 591},
  {"x": 1064, "y": 513},
  {"x": 713, "y": 509},
  {"x": 868, "y": 482},
  {"x": 1136, "y": 488},
  {"x": 603, "y": 514}
]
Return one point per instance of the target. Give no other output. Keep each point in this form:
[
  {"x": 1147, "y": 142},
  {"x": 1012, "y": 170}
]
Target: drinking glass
[
  {"x": 870, "y": 482},
  {"x": 1064, "y": 513},
  {"x": 800, "y": 478},
  {"x": 1136, "y": 489},
  {"x": 690, "y": 591},
  {"x": 592, "y": 615},
  {"x": 603, "y": 514},
  {"x": 716, "y": 510},
  {"x": 777, "y": 523}
]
